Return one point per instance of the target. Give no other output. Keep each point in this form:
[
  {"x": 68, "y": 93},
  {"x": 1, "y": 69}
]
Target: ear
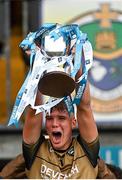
[{"x": 73, "y": 121}]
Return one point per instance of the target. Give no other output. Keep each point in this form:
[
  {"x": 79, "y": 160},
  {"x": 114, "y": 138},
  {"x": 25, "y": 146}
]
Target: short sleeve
[
  {"x": 91, "y": 149},
  {"x": 29, "y": 151}
]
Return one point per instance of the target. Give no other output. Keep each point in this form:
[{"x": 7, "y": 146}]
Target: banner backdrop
[
  {"x": 112, "y": 155},
  {"x": 102, "y": 21}
]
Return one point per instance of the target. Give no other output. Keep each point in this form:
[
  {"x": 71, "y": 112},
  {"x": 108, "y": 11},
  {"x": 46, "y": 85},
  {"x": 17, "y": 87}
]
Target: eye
[
  {"x": 49, "y": 118},
  {"x": 62, "y": 117}
]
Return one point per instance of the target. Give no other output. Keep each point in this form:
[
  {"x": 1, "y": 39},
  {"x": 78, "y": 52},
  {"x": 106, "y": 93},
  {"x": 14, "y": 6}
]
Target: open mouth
[{"x": 56, "y": 136}]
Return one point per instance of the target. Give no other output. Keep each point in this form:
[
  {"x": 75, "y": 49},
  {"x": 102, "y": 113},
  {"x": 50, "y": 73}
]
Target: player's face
[{"x": 59, "y": 128}]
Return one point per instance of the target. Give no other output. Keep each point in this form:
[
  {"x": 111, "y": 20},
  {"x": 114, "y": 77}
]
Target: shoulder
[
  {"x": 91, "y": 149},
  {"x": 30, "y": 150}
]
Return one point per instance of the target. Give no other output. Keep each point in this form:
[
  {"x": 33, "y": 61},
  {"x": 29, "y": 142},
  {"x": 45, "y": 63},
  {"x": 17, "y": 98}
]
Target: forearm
[{"x": 33, "y": 123}]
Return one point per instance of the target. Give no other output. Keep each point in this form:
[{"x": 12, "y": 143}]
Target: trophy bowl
[{"x": 56, "y": 84}]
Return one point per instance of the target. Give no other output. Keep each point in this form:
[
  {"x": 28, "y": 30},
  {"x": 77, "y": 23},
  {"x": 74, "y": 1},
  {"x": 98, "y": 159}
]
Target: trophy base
[{"x": 56, "y": 84}]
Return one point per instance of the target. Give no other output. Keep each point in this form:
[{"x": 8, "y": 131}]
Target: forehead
[{"x": 58, "y": 112}]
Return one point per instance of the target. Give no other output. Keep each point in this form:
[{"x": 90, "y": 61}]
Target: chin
[{"x": 57, "y": 146}]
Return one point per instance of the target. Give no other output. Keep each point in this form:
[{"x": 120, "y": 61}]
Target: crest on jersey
[{"x": 104, "y": 27}]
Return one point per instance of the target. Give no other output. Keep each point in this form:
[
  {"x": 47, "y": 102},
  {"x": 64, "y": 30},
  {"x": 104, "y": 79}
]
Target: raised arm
[
  {"x": 86, "y": 123},
  {"x": 33, "y": 123}
]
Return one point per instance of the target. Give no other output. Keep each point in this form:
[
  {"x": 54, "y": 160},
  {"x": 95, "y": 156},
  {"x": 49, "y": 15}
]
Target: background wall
[{"x": 25, "y": 17}]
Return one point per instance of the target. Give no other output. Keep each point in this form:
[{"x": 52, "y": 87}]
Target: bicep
[
  {"x": 86, "y": 123},
  {"x": 32, "y": 127},
  {"x": 33, "y": 123}
]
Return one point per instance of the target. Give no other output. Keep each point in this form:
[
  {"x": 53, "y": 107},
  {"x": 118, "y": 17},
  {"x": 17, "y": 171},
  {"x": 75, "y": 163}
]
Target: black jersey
[{"x": 79, "y": 161}]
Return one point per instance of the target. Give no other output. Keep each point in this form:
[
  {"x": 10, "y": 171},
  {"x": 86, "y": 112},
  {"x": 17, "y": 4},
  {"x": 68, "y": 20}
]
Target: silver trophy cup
[{"x": 56, "y": 82}]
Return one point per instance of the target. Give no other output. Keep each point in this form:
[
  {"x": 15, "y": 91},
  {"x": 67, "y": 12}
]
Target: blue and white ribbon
[
  {"x": 88, "y": 58},
  {"x": 41, "y": 62},
  {"x": 28, "y": 92},
  {"x": 82, "y": 45}
]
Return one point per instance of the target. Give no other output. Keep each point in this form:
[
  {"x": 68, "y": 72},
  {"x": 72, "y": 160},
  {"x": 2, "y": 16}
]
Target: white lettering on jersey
[{"x": 50, "y": 173}]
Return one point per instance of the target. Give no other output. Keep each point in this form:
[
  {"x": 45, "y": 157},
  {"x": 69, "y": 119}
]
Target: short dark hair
[{"x": 60, "y": 106}]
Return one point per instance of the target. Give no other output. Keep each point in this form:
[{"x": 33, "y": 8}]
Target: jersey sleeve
[
  {"x": 91, "y": 149},
  {"x": 29, "y": 151}
]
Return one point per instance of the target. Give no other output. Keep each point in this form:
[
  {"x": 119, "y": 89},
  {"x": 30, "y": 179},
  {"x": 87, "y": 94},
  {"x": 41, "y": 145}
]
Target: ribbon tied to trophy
[{"x": 57, "y": 53}]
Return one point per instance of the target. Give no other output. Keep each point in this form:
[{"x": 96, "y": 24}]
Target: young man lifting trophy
[{"x": 60, "y": 58}]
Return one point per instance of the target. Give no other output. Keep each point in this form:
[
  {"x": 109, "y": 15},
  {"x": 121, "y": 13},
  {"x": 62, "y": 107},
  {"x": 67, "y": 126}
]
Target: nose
[{"x": 54, "y": 123}]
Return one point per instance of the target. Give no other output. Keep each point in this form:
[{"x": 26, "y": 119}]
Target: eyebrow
[{"x": 60, "y": 115}]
